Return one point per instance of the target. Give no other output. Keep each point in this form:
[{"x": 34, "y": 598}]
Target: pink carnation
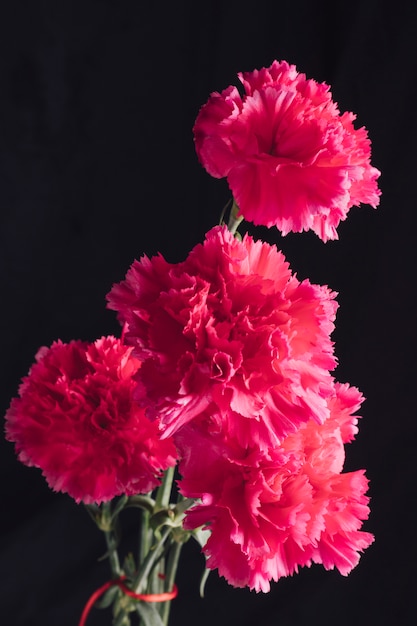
[
  {"x": 77, "y": 421},
  {"x": 290, "y": 158},
  {"x": 229, "y": 336},
  {"x": 269, "y": 514}
]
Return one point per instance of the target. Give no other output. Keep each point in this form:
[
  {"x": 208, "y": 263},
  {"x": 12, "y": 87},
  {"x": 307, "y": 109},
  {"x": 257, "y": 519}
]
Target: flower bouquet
[{"x": 215, "y": 412}]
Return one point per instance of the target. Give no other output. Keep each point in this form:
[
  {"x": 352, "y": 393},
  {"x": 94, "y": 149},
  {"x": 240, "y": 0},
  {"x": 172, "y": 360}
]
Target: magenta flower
[
  {"x": 290, "y": 158},
  {"x": 229, "y": 336},
  {"x": 75, "y": 418},
  {"x": 269, "y": 514}
]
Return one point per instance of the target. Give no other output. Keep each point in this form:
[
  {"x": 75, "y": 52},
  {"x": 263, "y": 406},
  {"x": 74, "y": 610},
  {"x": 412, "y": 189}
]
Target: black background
[{"x": 97, "y": 166}]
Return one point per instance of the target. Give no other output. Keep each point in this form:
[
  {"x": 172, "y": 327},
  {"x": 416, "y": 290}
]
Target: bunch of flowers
[{"x": 223, "y": 371}]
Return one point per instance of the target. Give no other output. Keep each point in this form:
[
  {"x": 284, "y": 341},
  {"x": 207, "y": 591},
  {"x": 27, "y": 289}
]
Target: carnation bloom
[
  {"x": 229, "y": 336},
  {"x": 75, "y": 418},
  {"x": 269, "y": 514},
  {"x": 290, "y": 158}
]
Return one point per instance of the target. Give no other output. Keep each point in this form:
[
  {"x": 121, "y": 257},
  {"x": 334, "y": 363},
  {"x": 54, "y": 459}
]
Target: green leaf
[
  {"x": 120, "y": 504},
  {"x": 149, "y": 614},
  {"x": 203, "y": 581},
  {"x": 146, "y": 503},
  {"x": 129, "y": 565},
  {"x": 201, "y": 536},
  {"x": 108, "y": 598}
]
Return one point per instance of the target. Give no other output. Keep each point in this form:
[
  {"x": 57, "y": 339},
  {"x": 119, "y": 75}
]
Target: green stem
[
  {"x": 107, "y": 522},
  {"x": 222, "y": 214},
  {"x": 163, "y": 494},
  {"x": 153, "y": 555},
  {"x": 234, "y": 218},
  {"x": 143, "y": 536},
  {"x": 171, "y": 571},
  {"x": 112, "y": 552},
  {"x": 119, "y": 506},
  {"x": 110, "y": 519}
]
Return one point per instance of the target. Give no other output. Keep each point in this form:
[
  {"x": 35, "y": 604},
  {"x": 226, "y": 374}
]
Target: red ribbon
[{"x": 145, "y": 597}]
